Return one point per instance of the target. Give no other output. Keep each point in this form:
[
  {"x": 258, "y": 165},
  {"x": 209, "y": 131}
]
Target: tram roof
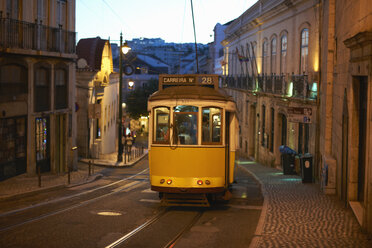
[{"x": 191, "y": 92}]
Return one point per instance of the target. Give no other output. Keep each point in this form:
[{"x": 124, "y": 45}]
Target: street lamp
[{"x": 123, "y": 49}]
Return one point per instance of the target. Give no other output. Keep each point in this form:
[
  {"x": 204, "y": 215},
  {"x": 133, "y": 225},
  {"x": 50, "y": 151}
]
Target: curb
[
  {"x": 48, "y": 189},
  {"x": 110, "y": 165}
]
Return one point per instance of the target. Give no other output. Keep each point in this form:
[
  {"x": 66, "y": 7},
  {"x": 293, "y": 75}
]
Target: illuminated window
[
  {"x": 273, "y": 56},
  {"x": 304, "y": 50},
  {"x": 185, "y": 125},
  {"x": 283, "y": 54},
  {"x": 211, "y": 125},
  {"x": 161, "y": 125}
]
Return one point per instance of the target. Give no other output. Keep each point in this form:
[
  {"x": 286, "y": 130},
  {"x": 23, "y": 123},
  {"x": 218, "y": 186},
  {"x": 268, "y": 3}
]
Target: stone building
[
  {"x": 37, "y": 86},
  {"x": 300, "y": 72},
  {"x": 97, "y": 97},
  {"x": 346, "y": 104},
  {"x": 272, "y": 70}
]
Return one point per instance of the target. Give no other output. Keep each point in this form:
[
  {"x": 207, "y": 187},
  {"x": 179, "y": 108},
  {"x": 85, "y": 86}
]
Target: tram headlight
[
  {"x": 199, "y": 182},
  {"x": 207, "y": 182},
  {"x": 169, "y": 181},
  {"x": 162, "y": 181}
]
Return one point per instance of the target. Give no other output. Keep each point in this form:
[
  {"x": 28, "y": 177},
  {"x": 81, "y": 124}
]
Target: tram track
[
  {"x": 18, "y": 217},
  {"x": 156, "y": 222}
]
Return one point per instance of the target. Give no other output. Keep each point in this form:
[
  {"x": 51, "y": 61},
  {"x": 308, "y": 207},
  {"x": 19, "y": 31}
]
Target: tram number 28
[{"x": 206, "y": 80}]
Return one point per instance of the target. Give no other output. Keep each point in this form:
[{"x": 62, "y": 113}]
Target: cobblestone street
[{"x": 299, "y": 215}]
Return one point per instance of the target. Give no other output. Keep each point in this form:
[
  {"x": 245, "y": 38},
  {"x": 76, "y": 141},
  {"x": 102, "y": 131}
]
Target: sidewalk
[
  {"x": 26, "y": 184},
  {"x": 295, "y": 214}
]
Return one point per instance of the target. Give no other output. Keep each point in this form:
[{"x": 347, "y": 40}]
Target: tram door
[{"x": 227, "y": 147}]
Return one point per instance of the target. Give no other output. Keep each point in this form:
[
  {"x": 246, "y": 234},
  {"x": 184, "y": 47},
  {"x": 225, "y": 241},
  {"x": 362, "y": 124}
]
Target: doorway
[
  {"x": 42, "y": 144},
  {"x": 345, "y": 141}
]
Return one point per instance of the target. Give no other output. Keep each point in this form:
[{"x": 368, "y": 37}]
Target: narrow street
[{"x": 119, "y": 210}]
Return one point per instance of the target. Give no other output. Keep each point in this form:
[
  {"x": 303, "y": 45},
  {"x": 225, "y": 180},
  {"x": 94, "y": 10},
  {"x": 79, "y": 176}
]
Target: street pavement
[
  {"x": 297, "y": 214},
  {"x": 294, "y": 214},
  {"x": 29, "y": 184}
]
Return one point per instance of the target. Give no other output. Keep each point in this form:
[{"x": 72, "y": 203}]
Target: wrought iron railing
[
  {"x": 35, "y": 36},
  {"x": 296, "y": 86}
]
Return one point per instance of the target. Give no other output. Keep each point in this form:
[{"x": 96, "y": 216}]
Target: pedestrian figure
[{"x": 129, "y": 140}]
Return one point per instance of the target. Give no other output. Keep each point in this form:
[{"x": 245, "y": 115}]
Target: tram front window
[
  {"x": 185, "y": 125},
  {"x": 211, "y": 125},
  {"x": 161, "y": 134}
]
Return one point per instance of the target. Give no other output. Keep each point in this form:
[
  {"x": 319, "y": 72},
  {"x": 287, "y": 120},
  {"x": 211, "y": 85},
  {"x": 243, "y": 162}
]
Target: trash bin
[
  {"x": 307, "y": 168},
  {"x": 288, "y": 163}
]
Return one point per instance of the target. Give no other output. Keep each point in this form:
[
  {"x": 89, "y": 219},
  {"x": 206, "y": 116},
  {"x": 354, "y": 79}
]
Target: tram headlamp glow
[
  {"x": 169, "y": 181},
  {"x": 207, "y": 182},
  {"x": 199, "y": 182},
  {"x": 162, "y": 181}
]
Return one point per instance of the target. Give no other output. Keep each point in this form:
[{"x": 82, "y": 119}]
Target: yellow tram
[{"x": 192, "y": 139}]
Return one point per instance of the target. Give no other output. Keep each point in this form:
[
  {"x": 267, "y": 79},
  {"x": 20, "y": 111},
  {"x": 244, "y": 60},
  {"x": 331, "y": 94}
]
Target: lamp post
[{"x": 123, "y": 49}]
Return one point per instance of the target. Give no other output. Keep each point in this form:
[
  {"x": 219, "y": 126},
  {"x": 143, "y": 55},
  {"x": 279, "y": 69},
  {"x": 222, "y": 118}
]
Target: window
[
  {"x": 273, "y": 56},
  {"x": 185, "y": 124},
  {"x": 13, "y": 79},
  {"x": 42, "y": 89},
  {"x": 161, "y": 125},
  {"x": 61, "y": 13},
  {"x": 304, "y": 50},
  {"x": 264, "y": 57},
  {"x": 283, "y": 54},
  {"x": 12, "y": 7},
  {"x": 211, "y": 125},
  {"x": 42, "y": 10},
  {"x": 60, "y": 89}
]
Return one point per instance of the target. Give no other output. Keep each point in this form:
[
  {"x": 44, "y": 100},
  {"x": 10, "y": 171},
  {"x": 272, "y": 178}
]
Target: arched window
[
  {"x": 13, "y": 79},
  {"x": 264, "y": 57},
  {"x": 273, "y": 56},
  {"x": 60, "y": 88},
  {"x": 304, "y": 50},
  {"x": 42, "y": 88},
  {"x": 283, "y": 54}
]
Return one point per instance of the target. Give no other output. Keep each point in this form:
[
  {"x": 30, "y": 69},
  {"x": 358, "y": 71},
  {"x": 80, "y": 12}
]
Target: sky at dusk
[{"x": 170, "y": 20}]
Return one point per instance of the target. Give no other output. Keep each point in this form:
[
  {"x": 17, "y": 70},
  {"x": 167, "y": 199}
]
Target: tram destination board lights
[{"x": 124, "y": 49}]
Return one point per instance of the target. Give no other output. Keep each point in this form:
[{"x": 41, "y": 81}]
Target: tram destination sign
[{"x": 166, "y": 80}]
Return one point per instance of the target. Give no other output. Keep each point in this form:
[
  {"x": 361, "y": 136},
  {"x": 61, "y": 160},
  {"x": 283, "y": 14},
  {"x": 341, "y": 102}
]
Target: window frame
[
  {"x": 221, "y": 126},
  {"x": 174, "y": 124},
  {"x": 304, "y": 46},
  {"x": 154, "y": 141}
]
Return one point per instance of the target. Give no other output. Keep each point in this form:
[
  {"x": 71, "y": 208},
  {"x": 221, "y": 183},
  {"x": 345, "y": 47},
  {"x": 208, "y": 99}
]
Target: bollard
[
  {"x": 93, "y": 167},
  {"x": 39, "y": 175},
  {"x": 89, "y": 168}
]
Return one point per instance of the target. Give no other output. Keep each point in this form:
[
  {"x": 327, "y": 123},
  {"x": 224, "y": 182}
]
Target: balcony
[
  {"x": 289, "y": 86},
  {"x": 15, "y": 34}
]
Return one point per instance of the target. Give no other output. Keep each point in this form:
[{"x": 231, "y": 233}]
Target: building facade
[
  {"x": 97, "y": 96},
  {"x": 346, "y": 103},
  {"x": 37, "y": 53},
  {"x": 300, "y": 72},
  {"x": 271, "y": 67}
]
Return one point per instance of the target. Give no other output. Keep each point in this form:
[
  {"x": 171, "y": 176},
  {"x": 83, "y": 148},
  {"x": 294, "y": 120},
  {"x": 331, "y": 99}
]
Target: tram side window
[
  {"x": 185, "y": 125},
  {"x": 211, "y": 125},
  {"x": 161, "y": 134}
]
